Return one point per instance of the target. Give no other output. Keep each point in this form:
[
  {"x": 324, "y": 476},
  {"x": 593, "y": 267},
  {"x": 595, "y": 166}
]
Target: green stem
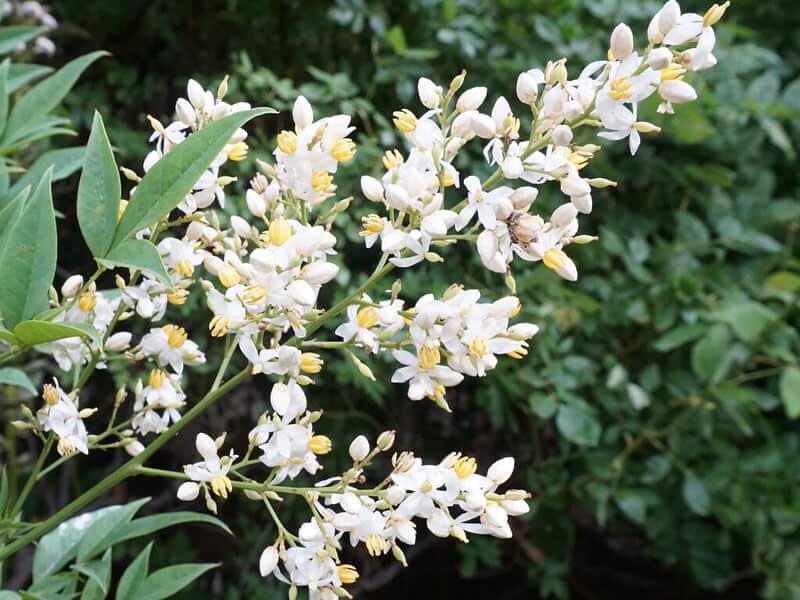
[{"x": 29, "y": 483}]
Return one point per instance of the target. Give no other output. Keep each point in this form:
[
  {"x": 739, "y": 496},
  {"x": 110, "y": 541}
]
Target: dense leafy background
[{"x": 655, "y": 419}]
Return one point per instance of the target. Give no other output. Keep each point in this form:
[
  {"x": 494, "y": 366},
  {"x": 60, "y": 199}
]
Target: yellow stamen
[
  {"x": 516, "y": 310},
  {"x": 343, "y": 150},
  {"x": 157, "y": 378},
  {"x": 320, "y": 444},
  {"x": 50, "y": 394},
  {"x": 392, "y": 159},
  {"x": 176, "y": 336},
  {"x": 87, "y": 301},
  {"x": 228, "y": 276},
  {"x": 673, "y": 71},
  {"x": 465, "y": 466},
  {"x": 478, "y": 347},
  {"x": 253, "y": 294},
  {"x": 429, "y": 357},
  {"x": 279, "y": 231},
  {"x": 447, "y": 180},
  {"x": 178, "y": 297},
  {"x": 347, "y": 574},
  {"x": 311, "y": 363},
  {"x": 221, "y": 485},
  {"x": 404, "y": 120},
  {"x": 367, "y": 317},
  {"x": 184, "y": 268},
  {"x": 408, "y": 320},
  {"x": 375, "y": 544},
  {"x": 520, "y": 352},
  {"x": 238, "y": 152},
  {"x": 321, "y": 181},
  {"x": 287, "y": 142},
  {"x": 714, "y": 14},
  {"x": 219, "y": 326},
  {"x": 372, "y": 224},
  {"x": 65, "y": 448},
  {"x": 621, "y": 89},
  {"x": 554, "y": 259}
]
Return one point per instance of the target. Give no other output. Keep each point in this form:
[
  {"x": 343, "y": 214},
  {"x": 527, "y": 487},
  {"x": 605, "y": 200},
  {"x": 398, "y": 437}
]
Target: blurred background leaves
[{"x": 655, "y": 417}]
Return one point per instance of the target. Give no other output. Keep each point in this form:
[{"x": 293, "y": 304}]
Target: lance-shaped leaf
[
  {"x": 167, "y": 582},
  {"x": 4, "y": 94},
  {"x": 30, "y": 333},
  {"x": 173, "y": 177},
  {"x": 65, "y": 161},
  {"x": 28, "y": 257},
  {"x": 12, "y": 37},
  {"x": 45, "y": 96},
  {"x": 17, "y": 377},
  {"x": 19, "y": 75},
  {"x": 98, "y": 191},
  {"x": 138, "y": 254}
]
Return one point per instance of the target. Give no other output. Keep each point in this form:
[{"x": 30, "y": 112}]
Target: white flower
[
  {"x": 424, "y": 380},
  {"x": 171, "y": 346},
  {"x": 212, "y": 469}
]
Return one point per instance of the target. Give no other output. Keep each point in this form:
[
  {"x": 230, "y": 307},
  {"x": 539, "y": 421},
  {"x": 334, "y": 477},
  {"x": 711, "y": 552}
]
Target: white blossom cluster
[
  {"x": 35, "y": 13},
  {"x": 261, "y": 274}
]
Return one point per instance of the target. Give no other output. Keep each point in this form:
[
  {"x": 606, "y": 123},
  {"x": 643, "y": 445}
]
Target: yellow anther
[
  {"x": 219, "y": 325},
  {"x": 157, "y": 378},
  {"x": 554, "y": 259},
  {"x": 279, "y": 231},
  {"x": 447, "y": 180},
  {"x": 253, "y": 294},
  {"x": 178, "y": 297},
  {"x": 714, "y": 14},
  {"x": 184, "y": 268},
  {"x": 367, "y": 317},
  {"x": 429, "y": 357},
  {"x": 673, "y": 71},
  {"x": 221, "y": 485},
  {"x": 621, "y": 89},
  {"x": 478, "y": 347},
  {"x": 287, "y": 142},
  {"x": 237, "y": 152},
  {"x": 311, "y": 363},
  {"x": 320, "y": 444},
  {"x": 465, "y": 466},
  {"x": 347, "y": 574},
  {"x": 404, "y": 120},
  {"x": 376, "y": 544},
  {"x": 87, "y": 301},
  {"x": 408, "y": 320},
  {"x": 343, "y": 150},
  {"x": 516, "y": 310},
  {"x": 392, "y": 159},
  {"x": 321, "y": 181},
  {"x": 372, "y": 224},
  {"x": 176, "y": 336},
  {"x": 520, "y": 352},
  {"x": 65, "y": 448},
  {"x": 228, "y": 276},
  {"x": 50, "y": 394},
  {"x": 123, "y": 204}
]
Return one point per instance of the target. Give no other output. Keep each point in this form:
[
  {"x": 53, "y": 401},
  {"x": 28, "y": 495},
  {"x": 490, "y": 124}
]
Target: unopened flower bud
[
  {"x": 372, "y": 188},
  {"x": 562, "y": 135},
  {"x": 522, "y": 198},
  {"x": 483, "y": 125},
  {"x": 429, "y": 93},
  {"x": 385, "y": 440},
  {"x": 359, "y": 448},
  {"x": 71, "y": 286},
  {"x": 659, "y": 58},
  {"x": 134, "y": 447},
  {"x": 185, "y": 112},
  {"x": 471, "y": 99},
  {"x": 527, "y": 88},
  {"x": 268, "y": 561},
  {"x": 456, "y": 83},
  {"x": 601, "y": 182},
  {"x": 302, "y": 113},
  {"x": 621, "y": 42},
  {"x": 398, "y": 554},
  {"x": 676, "y": 91}
]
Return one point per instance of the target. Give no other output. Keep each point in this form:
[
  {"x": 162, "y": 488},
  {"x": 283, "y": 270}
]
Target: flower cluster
[
  {"x": 260, "y": 275},
  {"x": 30, "y": 11}
]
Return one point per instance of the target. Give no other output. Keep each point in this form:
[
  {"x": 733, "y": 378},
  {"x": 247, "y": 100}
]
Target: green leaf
[
  {"x": 578, "y": 424},
  {"x": 168, "y": 182},
  {"x": 6, "y": 595},
  {"x": 12, "y": 37},
  {"x": 748, "y": 319},
  {"x": 679, "y": 336},
  {"x": 3, "y": 95},
  {"x": 152, "y": 523},
  {"x": 28, "y": 258},
  {"x": 100, "y": 534},
  {"x": 696, "y": 495},
  {"x": 99, "y": 574},
  {"x": 134, "y": 575},
  {"x": 543, "y": 405},
  {"x": 790, "y": 391},
  {"x": 170, "y": 580},
  {"x": 708, "y": 353},
  {"x": 19, "y": 378},
  {"x": 396, "y": 38},
  {"x": 65, "y": 161},
  {"x": 633, "y": 504},
  {"x": 99, "y": 191},
  {"x": 45, "y": 96},
  {"x": 33, "y": 332},
  {"x": 19, "y": 75},
  {"x": 60, "y": 545},
  {"x": 137, "y": 254},
  {"x": 783, "y": 281},
  {"x": 3, "y": 491},
  {"x": 8, "y": 337}
]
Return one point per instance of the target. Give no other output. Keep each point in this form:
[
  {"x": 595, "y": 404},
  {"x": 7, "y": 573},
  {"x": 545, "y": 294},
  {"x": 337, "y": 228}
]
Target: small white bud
[
  {"x": 429, "y": 93},
  {"x": 676, "y": 91},
  {"x": 134, "y": 448},
  {"x": 621, "y": 42},
  {"x": 372, "y": 188},
  {"x": 562, "y": 135},
  {"x": 119, "y": 341},
  {"x": 564, "y": 215},
  {"x": 196, "y": 93},
  {"x": 523, "y": 197},
  {"x": 527, "y": 88},
  {"x": 471, "y": 99},
  {"x": 462, "y": 125},
  {"x": 483, "y": 125},
  {"x": 256, "y": 203},
  {"x": 359, "y": 448},
  {"x": 668, "y": 16},
  {"x": 185, "y": 112},
  {"x": 268, "y": 561},
  {"x": 302, "y": 113},
  {"x": 501, "y": 470},
  {"x": 659, "y": 58},
  {"x": 71, "y": 286},
  {"x": 188, "y": 491}
]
